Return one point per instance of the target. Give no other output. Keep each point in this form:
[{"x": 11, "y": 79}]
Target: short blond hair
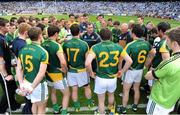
[{"x": 23, "y": 27}]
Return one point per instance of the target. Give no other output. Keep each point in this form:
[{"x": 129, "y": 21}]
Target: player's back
[
  {"x": 107, "y": 55},
  {"x": 75, "y": 51},
  {"x": 31, "y": 57},
  {"x": 138, "y": 51},
  {"x": 52, "y": 48}
]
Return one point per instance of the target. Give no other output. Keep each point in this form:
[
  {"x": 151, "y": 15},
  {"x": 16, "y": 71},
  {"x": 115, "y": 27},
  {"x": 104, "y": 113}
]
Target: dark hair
[
  {"x": 3, "y": 21},
  {"x": 37, "y": 19},
  {"x": 31, "y": 19},
  {"x": 116, "y": 23},
  {"x": 74, "y": 29},
  {"x": 137, "y": 30},
  {"x": 52, "y": 30},
  {"x": 34, "y": 33},
  {"x": 163, "y": 26},
  {"x": 43, "y": 18},
  {"x": 11, "y": 24},
  {"x": 89, "y": 23},
  {"x": 101, "y": 15},
  {"x": 62, "y": 19},
  {"x": 85, "y": 15},
  {"x": 13, "y": 19},
  {"x": 110, "y": 19},
  {"x": 154, "y": 30},
  {"x": 174, "y": 34},
  {"x": 76, "y": 16},
  {"x": 105, "y": 34},
  {"x": 71, "y": 15},
  {"x": 40, "y": 25},
  {"x": 21, "y": 19},
  {"x": 141, "y": 17}
]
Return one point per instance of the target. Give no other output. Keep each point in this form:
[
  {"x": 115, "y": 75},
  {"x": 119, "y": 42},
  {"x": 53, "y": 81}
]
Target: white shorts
[
  {"x": 155, "y": 109},
  {"x": 61, "y": 84},
  {"x": 132, "y": 76},
  {"x": 151, "y": 82},
  {"x": 102, "y": 85},
  {"x": 39, "y": 94},
  {"x": 79, "y": 79}
]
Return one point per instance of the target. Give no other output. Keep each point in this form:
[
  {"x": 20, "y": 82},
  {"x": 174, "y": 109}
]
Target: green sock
[
  {"x": 89, "y": 101},
  {"x": 76, "y": 104},
  {"x": 56, "y": 107},
  {"x": 64, "y": 111}
]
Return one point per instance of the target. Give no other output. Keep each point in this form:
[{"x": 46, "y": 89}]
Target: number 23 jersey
[{"x": 107, "y": 55}]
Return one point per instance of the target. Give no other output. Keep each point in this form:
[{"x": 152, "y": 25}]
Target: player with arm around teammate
[{"x": 31, "y": 68}]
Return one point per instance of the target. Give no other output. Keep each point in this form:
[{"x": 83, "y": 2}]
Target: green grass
[
  {"x": 122, "y": 19},
  {"x": 82, "y": 99}
]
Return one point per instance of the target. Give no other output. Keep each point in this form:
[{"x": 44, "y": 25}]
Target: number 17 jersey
[{"x": 75, "y": 51}]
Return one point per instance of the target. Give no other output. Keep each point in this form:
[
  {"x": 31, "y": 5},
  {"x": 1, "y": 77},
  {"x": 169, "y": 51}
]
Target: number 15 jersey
[
  {"x": 31, "y": 57},
  {"x": 138, "y": 51}
]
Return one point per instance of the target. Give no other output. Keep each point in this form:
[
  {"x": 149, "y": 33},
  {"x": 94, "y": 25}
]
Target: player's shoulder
[
  {"x": 162, "y": 41},
  {"x": 131, "y": 44},
  {"x": 38, "y": 47},
  {"x": 98, "y": 45},
  {"x": 83, "y": 43}
]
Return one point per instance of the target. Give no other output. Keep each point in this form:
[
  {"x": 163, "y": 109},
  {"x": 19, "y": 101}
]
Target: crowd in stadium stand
[{"x": 154, "y": 9}]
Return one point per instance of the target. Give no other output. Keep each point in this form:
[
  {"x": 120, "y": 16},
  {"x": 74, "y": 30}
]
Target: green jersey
[
  {"x": 107, "y": 55},
  {"x": 98, "y": 26},
  {"x": 9, "y": 38},
  {"x": 31, "y": 56},
  {"x": 115, "y": 35},
  {"x": 166, "y": 90},
  {"x": 16, "y": 33},
  {"x": 63, "y": 33},
  {"x": 161, "y": 47},
  {"x": 138, "y": 51},
  {"x": 75, "y": 51},
  {"x": 110, "y": 27},
  {"x": 53, "y": 70}
]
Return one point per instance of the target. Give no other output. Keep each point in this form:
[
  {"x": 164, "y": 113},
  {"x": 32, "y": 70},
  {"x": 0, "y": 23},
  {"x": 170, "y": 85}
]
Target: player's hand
[
  {"x": 119, "y": 74},
  {"x": 9, "y": 78},
  {"x": 93, "y": 75},
  {"x": 29, "y": 89}
]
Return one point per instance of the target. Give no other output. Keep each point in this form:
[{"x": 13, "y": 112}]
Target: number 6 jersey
[{"x": 138, "y": 51}]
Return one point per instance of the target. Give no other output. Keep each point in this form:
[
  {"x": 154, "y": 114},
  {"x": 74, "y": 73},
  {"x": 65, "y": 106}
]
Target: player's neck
[
  {"x": 22, "y": 37},
  {"x": 176, "y": 50},
  {"x": 135, "y": 38},
  {"x": 76, "y": 36},
  {"x": 37, "y": 42},
  {"x": 1, "y": 32},
  {"x": 53, "y": 38}
]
